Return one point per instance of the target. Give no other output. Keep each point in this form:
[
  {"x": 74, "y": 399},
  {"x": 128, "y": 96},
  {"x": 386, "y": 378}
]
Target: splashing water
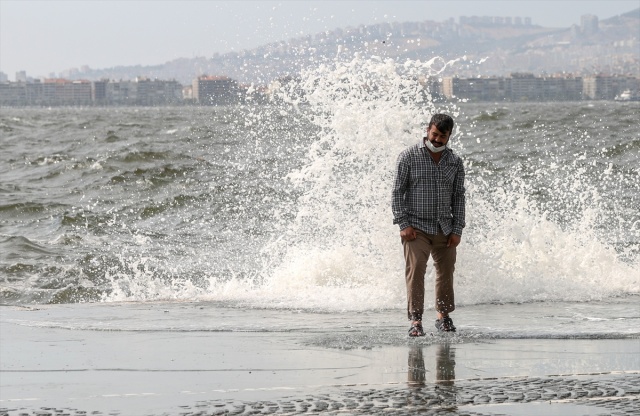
[
  {"x": 287, "y": 205},
  {"x": 341, "y": 250}
]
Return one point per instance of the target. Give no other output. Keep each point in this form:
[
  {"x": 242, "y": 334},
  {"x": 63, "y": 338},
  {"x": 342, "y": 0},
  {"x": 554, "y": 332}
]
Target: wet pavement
[
  {"x": 589, "y": 394},
  {"x": 179, "y": 359}
]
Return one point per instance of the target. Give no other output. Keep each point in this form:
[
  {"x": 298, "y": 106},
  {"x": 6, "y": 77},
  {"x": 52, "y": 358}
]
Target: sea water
[{"x": 286, "y": 205}]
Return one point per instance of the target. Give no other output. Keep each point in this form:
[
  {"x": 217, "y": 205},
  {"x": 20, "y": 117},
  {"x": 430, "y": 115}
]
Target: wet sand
[{"x": 198, "y": 359}]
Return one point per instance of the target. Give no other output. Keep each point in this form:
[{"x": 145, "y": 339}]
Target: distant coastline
[
  {"x": 222, "y": 90},
  {"x": 487, "y": 59}
]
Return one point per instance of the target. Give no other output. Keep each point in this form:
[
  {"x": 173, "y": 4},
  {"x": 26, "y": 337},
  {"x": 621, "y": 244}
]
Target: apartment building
[
  {"x": 155, "y": 92},
  {"x": 216, "y": 90},
  {"x": 518, "y": 87},
  {"x": 13, "y": 94},
  {"x": 475, "y": 89},
  {"x": 221, "y": 90},
  {"x": 602, "y": 87},
  {"x": 58, "y": 91},
  {"x": 50, "y": 91},
  {"x": 562, "y": 88},
  {"x": 141, "y": 91}
]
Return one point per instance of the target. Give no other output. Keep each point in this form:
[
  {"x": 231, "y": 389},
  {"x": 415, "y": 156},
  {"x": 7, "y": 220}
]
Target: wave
[{"x": 286, "y": 206}]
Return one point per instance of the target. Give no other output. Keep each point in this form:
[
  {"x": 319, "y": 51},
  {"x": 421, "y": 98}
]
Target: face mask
[{"x": 433, "y": 148}]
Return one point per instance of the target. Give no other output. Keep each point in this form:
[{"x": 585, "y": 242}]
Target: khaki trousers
[{"x": 416, "y": 254}]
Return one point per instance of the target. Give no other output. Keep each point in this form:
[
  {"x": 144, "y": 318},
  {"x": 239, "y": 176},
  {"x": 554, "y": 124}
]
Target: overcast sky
[{"x": 44, "y": 37}]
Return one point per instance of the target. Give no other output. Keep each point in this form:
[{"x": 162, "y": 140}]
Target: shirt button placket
[{"x": 438, "y": 182}]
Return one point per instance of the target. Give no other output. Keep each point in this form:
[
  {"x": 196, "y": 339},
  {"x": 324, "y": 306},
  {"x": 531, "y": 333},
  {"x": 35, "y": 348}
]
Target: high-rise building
[
  {"x": 99, "y": 91},
  {"x": 589, "y": 24},
  {"x": 21, "y": 76}
]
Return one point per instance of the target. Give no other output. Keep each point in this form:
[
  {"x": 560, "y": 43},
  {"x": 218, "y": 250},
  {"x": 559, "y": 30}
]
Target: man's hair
[{"x": 443, "y": 122}]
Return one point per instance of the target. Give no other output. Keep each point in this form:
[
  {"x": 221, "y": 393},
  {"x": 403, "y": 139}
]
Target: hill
[{"x": 484, "y": 45}]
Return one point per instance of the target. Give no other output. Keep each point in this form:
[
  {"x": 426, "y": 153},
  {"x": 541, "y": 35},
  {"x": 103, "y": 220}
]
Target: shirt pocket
[
  {"x": 449, "y": 172},
  {"x": 419, "y": 175}
]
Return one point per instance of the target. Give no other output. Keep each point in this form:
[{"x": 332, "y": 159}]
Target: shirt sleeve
[
  {"x": 458, "y": 201},
  {"x": 400, "y": 183}
]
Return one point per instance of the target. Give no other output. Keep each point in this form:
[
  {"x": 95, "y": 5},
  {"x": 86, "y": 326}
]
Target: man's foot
[
  {"x": 416, "y": 329},
  {"x": 445, "y": 325}
]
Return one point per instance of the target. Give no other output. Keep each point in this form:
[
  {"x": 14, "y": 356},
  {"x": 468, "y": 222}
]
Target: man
[{"x": 428, "y": 204}]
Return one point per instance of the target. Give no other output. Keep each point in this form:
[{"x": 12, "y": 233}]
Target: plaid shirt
[{"x": 427, "y": 194}]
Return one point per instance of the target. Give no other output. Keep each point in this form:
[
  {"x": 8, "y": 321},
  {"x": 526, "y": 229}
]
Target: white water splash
[{"x": 342, "y": 252}]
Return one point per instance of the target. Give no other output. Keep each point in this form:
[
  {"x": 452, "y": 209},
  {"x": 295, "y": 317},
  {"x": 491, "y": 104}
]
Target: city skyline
[
  {"x": 106, "y": 34},
  {"x": 222, "y": 90}
]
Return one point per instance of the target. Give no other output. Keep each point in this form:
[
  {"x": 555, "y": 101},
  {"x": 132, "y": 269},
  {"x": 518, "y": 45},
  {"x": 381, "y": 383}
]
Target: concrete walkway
[{"x": 195, "y": 359}]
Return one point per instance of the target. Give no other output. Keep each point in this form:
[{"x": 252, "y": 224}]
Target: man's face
[{"x": 437, "y": 137}]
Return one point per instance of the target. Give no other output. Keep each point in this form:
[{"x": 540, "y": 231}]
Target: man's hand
[
  {"x": 408, "y": 234},
  {"x": 454, "y": 240}
]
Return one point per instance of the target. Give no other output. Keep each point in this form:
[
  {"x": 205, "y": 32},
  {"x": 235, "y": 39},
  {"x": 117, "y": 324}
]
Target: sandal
[
  {"x": 416, "y": 329},
  {"x": 445, "y": 325}
]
